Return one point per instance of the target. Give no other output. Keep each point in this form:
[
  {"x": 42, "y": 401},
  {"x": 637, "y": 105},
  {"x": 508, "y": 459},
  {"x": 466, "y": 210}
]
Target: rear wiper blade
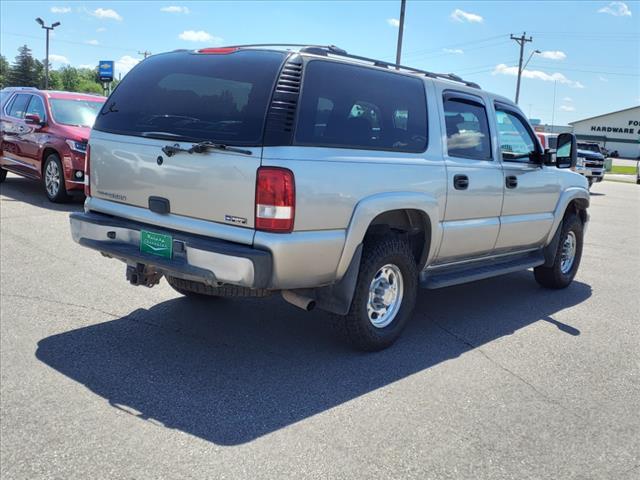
[{"x": 202, "y": 147}]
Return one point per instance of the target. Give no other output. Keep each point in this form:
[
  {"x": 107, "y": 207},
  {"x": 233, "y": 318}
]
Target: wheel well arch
[
  {"x": 411, "y": 223},
  {"x": 45, "y": 153},
  {"x": 579, "y": 207}
]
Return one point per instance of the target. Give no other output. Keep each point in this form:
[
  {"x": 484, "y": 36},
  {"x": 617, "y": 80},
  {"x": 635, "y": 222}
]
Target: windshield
[
  {"x": 79, "y": 113},
  {"x": 217, "y": 98},
  {"x": 589, "y": 146}
]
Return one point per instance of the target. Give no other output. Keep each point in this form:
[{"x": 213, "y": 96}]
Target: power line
[{"x": 110, "y": 47}]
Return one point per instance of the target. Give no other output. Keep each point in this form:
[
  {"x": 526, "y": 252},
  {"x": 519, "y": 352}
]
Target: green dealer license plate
[{"x": 156, "y": 243}]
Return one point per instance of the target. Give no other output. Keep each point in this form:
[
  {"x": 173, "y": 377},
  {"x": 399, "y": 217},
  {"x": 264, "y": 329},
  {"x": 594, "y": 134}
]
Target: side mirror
[
  {"x": 567, "y": 151},
  {"x": 33, "y": 119}
]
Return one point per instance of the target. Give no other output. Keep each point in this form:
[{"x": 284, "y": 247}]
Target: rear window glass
[
  {"x": 467, "y": 130},
  {"x": 220, "y": 98},
  {"x": 349, "y": 106},
  {"x": 19, "y": 105}
]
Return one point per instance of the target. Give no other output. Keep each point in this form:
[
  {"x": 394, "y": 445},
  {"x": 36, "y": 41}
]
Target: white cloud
[
  {"x": 125, "y": 64},
  {"x": 567, "y": 108},
  {"x": 92, "y": 42},
  {"x": 553, "y": 55},
  {"x": 175, "y": 9},
  {"x": 53, "y": 58},
  {"x": 60, "y": 9},
  {"x": 567, "y": 99},
  {"x": 462, "y": 16},
  {"x": 617, "y": 9},
  {"x": 87, "y": 65},
  {"x": 106, "y": 13},
  {"x": 603, "y": 79},
  {"x": 457, "y": 51},
  {"x": 198, "y": 36},
  {"x": 537, "y": 75},
  {"x": 101, "y": 29},
  {"x": 394, "y": 22}
]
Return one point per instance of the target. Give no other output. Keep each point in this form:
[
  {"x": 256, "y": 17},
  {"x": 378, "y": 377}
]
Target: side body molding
[
  {"x": 568, "y": 195},
  {"x": 370, "y": 207}
]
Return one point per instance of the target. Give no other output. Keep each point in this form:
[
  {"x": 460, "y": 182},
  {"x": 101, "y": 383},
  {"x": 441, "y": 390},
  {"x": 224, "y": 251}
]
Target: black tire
[
  {"x": 590, "y": 180},
  {"x": 190, "y": 288},
  {"x": 3, "y": 175},
  {"x": 355, "y": 326},
  {"x": 553, "y": 276},
  {"x": 59, "y": 194}
]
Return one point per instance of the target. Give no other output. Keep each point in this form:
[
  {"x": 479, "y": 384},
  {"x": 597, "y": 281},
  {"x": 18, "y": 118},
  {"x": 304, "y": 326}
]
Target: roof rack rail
[{"x": 333, "y": 50}]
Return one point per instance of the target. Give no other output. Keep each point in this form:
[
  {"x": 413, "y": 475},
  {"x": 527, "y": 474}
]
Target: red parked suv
[{"x": 44, "y": 137}]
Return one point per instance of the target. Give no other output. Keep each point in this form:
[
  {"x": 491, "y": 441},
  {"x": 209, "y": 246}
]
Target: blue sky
[{"x": 591, "y": 49}]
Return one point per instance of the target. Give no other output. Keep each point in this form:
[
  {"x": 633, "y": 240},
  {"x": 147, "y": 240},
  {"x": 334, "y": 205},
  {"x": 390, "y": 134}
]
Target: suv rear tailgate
[
  {"x": 179, "y": 99},
  {"x": 215, "y": 185}
]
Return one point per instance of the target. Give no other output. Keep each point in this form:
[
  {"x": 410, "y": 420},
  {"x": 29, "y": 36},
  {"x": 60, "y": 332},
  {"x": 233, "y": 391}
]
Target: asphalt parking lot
[{"x": 496, "y": 379}]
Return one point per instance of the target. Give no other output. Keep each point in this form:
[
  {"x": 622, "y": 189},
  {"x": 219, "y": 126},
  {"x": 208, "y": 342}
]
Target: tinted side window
[
  {"x": 516, "y": 142},
  {"x": 349, "y": 106},
  {"x": 467, "y": 130},
  {"x": 36, "y": 107},
  {"x": 19, "y": 105}
]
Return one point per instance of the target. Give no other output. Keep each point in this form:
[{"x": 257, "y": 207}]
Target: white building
[{"x": 616, "y": 131}]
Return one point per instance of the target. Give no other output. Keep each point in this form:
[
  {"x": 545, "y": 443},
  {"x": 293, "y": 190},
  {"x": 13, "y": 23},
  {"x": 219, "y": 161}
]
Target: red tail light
[
  {"x": 275, "y": 200},
  {"x": 87, "y": 167}
]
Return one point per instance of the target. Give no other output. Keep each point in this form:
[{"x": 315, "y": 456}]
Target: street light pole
[{"x": 46, "y": 61}]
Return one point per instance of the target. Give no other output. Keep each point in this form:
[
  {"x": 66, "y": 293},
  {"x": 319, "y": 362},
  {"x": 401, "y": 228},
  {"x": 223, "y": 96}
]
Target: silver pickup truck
[{"x": 340, "y": 181}]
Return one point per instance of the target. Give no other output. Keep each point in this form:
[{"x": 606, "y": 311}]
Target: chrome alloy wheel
[
  {"x": 385, "y": 296},
  {"x": 568, "y": 254},
  {"x": 52, "y": 179}
]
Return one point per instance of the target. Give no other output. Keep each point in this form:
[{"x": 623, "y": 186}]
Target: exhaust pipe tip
[{"x": 305, "y": 303}]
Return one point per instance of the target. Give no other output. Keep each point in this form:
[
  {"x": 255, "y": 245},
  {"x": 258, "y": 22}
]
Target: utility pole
[
  {"x": 400, "y": 32},
  {"x": 145, "y": 53},
  {"x": 46, "y": 61},
  {"x": 520, "y": 41}
]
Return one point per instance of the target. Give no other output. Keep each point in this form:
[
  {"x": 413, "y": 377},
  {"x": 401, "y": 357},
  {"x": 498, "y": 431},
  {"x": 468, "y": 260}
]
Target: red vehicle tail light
[
  {"x": 218, "y": 51},
  {"x": 275, "y": 200},
  {"x": 87, "y": 166}
]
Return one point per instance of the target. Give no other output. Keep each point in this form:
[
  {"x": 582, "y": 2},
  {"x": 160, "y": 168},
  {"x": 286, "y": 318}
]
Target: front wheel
[
  {"x": 568, "y": 255},
  {"x": 384, "y": 297},
  {"x": 54, "y": 180}
]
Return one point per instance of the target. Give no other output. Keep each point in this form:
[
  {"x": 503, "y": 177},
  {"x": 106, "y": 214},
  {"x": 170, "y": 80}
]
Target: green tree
[
  {"x": 70, "y": 78},
  {"x": 26, "y": 71},
  {"x": 4, "y": 71},
  {"x": 55, "y": 80}
]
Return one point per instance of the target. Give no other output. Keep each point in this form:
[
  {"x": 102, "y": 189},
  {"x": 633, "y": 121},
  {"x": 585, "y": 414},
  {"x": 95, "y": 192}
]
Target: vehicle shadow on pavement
[
  {"x": 29, "y": 191},
  {"x": 232, "y": 370}
]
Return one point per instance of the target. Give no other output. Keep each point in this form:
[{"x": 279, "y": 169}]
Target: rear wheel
[
  {"x": 568, "y": 255},
  {"x": 54, "y": 180},
  {"x": 3, "y": 174},
  {"x": 384, "y": 296}
]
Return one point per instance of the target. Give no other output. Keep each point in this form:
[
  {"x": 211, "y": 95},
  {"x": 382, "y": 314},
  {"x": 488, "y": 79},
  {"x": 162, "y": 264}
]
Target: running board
[{"x": 447, "y": 276}]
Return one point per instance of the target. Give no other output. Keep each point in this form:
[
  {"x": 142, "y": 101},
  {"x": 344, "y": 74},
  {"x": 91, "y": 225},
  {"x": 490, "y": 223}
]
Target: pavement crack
[
  {"x": 58, "y": 302},
  {"x": 539, "y": 392}
]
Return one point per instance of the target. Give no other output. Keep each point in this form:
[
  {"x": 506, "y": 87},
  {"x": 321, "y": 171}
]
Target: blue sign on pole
[{"x": 105, "y": 70}]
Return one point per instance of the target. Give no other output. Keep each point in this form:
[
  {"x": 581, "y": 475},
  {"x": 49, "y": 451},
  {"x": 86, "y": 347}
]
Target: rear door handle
[
  {"x": 511, "y": 181},
  {"x": 460, "y": 182}
]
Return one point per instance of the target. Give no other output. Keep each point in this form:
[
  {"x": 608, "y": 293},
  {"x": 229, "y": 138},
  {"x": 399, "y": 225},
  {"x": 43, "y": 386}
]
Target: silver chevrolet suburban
[{"x": 340, "y": 181}]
